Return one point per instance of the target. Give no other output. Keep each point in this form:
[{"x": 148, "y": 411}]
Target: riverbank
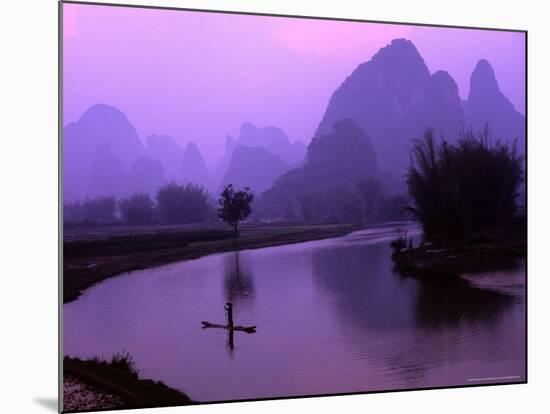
[
  {"x": 87, "y": 261},
  {"x": 444, "y": 260},
  {"x": 79, "y": 396},
  {"x": 97, "y": 384}
]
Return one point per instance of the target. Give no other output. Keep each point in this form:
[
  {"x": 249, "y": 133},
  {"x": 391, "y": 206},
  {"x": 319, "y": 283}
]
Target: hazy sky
[{"x": 199, "y": 76}]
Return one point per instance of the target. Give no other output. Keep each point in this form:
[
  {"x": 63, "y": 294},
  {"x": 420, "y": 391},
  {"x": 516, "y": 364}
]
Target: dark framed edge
[
  {"x": 526, "y": 210},
  {"x": 232, "y": 12},
  {"x": 292, "y": 16},
  {"x": 60, "y": 202}
]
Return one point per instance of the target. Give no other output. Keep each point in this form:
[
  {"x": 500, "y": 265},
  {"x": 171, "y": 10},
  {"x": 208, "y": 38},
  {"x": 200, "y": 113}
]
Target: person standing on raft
[{"x": 229, "y": 311}]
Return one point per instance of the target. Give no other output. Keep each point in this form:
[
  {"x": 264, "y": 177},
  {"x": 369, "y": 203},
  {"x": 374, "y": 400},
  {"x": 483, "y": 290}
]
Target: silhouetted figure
[
  {"x": 230, "y": 327},
  {"x": 229, "y": 310}
]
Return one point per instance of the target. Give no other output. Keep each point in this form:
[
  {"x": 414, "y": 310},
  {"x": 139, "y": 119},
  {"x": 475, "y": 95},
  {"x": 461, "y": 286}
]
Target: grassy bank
[
  {"x": 89, "y": 260},
  {"x": 120, "y": 379}
]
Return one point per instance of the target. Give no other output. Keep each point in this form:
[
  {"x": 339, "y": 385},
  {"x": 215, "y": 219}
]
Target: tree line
[{"x": 175, "y": 204}]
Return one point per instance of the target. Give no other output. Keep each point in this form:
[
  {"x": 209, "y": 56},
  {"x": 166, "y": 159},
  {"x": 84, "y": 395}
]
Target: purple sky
[{"x": 199, "y": 76}]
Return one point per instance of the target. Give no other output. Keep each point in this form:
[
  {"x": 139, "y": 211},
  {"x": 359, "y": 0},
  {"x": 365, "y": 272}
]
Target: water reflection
[
  {"x": 448, "y": 304},
  {"x": 332, "y": 316},
  {"x": 368, "y": 295},
  {"x": 230, "y": 342},
  {"x": 238, "y": 284},
  {"x": 455, "y": 321},
  {"x": 416, "y": 327},
  {"x": 238, "y": 280}
]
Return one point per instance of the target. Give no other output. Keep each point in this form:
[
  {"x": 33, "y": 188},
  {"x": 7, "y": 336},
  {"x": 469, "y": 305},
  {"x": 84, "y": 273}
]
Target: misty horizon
[
  {"x": 284, "y": 71},
  {"x": 104, "y": 155}
]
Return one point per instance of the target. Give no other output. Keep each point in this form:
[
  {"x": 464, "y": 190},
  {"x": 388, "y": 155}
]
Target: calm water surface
[{"x": 332, "y": 316}]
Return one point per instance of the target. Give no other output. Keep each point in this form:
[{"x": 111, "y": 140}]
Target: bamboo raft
[{"x": 247, "y": 329}]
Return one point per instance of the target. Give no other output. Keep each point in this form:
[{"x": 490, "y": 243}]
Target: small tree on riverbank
[{"x": 234, "y": 206}]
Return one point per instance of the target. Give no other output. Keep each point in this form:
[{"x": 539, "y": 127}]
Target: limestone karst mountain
[
  {"x": 325, "y": 185},
  {"x": 253, "y": 167},
  {"x": 168, "y": 152},
  {"x": 193, "y": 167},
  {"x": 271, "y": 138},
  {"x": 146, "y": 176},
  {"x": 107, "y": 177},
  {"x": 487, "y": 106},
  {"x": 221, "y": 166},
  {"x": 393, "y": 97},
  {"x": 274, "y": 140},
  {"x": 102, "y": 131}
]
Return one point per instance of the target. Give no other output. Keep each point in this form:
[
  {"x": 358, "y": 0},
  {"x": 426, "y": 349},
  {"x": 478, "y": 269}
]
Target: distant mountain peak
[
  {"x": 191, "y": 147},
  {"x": 483, "y": 66},
  {"x": 272, "y": 138},
  {"x": 102, "y": 136},
  {"x": 168, "y": 151},
  {"x": 483, "y": 80},
  {"x": 399, "y": 46},
  {"x": 193, "y": 168},
  {"x": 488, "y": 107},
  {"x": 192, "y": 152},
  {"x": 387, "y": 97},
  {"x": 401, "y": 53},
  {"x": 347, "y": 144},
  {"x": 336, "y": 161},
  {"x": 229, "y": 144},
  {"x": 443, "y": 78},
  {"x": 247, "y": 128},
  {"x": 107, "y": 113},
  {"x": 254, "y": 167}
]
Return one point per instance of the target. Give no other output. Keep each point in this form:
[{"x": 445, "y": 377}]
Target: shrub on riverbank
[
  {"x": 120, "y": 378},
  {"x": 463, "y": 188}
]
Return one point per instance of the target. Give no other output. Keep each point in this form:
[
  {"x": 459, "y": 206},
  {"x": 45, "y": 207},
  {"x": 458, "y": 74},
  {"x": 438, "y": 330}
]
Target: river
[{"x": 332, "y": 316}]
